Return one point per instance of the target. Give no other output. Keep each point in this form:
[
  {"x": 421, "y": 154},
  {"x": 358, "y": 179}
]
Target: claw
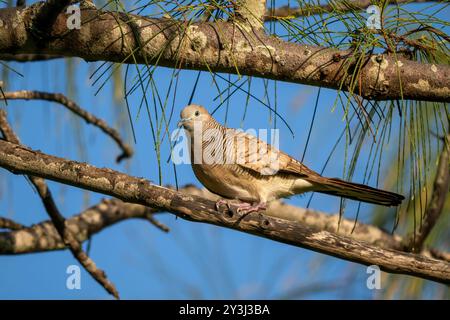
[{"x": 222, "y": 202}]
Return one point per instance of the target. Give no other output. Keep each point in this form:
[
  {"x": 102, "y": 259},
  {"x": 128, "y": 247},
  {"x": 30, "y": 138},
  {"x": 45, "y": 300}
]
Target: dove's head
[{"x": 192, "y": 115}]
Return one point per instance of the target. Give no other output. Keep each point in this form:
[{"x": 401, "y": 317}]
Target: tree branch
[
  {"x": 46, "y": 16},
  {"x": 21, "y": 160},
  {"x": 286, "y": 12},
  {"x": 44, "y": 237},
  {"x": 58, "y": 220},
  {"x": 59, "y": 98},
  {"x": 111, "y": 211},
  {"x": 436, "y": 205},
  {"x": 225, "y": 47},
  {"x": 6, "y": 223}
]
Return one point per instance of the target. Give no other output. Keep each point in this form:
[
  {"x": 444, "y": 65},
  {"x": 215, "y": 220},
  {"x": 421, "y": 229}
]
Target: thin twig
[
  {"x": 156, "y": 223},
  {"x": 127, "y": 151},
  {"x": 6, "y": 223},
  {"x": 58, "y": 219}
]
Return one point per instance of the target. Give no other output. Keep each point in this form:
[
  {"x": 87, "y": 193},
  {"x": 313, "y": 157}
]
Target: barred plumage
[{"x": 236, "y": 165}]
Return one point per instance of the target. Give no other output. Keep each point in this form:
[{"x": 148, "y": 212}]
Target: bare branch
[
  {"x": 225, "y": 47},
  {"x": 127, "y": 151},
  {"x": 156, "y": 223},
  {"x": 286, "y": 12},
  {"x": 6, "y": 223},
  {"x": 58, "y": 219},
  {"x": 435, "y": 207},
  {"x": 19, "y": 159},
  {"x": 111, "y": 211},
  {"x": 44, "y": 237}
]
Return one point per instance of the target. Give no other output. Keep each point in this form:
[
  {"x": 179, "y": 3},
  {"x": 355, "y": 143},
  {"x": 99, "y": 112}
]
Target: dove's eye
[{"x": 197, "y": 113}]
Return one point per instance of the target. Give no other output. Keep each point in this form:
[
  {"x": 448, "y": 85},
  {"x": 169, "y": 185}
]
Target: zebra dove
[{"x": 239, "y": 166}]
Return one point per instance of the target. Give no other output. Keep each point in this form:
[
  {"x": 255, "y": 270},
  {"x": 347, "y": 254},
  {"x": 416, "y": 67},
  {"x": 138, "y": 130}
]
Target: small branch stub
[{"x": 251, "y": 12}]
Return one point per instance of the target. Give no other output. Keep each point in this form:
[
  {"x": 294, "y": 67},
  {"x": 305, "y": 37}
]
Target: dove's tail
[{"x": 359, "y": 192}]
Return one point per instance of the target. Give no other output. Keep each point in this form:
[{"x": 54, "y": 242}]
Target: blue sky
[{"x": 193, "y": 260}]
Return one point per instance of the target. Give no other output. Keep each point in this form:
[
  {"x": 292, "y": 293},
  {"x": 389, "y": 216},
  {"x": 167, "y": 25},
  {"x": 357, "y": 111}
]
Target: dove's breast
[
  {"x": 235, "y": 182},
  {"x": 228, "y": 181},
  {"x": 231, "y": 180}
]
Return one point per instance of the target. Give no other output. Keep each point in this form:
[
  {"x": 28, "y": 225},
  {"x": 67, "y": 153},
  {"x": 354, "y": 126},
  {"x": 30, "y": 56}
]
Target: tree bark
[
  {"x": 223, "y": 47},
  {"x": 251, "y": 12}
]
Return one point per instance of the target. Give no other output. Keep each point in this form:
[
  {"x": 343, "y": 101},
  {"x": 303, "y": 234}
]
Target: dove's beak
[{"x": 183, "y": 121}]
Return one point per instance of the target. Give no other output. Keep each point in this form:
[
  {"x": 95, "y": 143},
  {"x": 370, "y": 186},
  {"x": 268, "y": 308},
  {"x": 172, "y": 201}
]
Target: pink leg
[
  {"x": 246, "y": 208},
  {"x": 243, "y": 207}
]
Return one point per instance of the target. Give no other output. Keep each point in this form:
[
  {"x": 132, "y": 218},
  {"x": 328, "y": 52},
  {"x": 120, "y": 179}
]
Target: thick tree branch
[
  {"x": 225, "y": 47},
  {"x": 21, "y": 160},
  {"x": 434, "y": 208},
  {"x": 127, "y": 151},
  {"x": 58, "y": 220},
  {"x": 286, "y": 12},
  {"x": 42, "y": 237}
]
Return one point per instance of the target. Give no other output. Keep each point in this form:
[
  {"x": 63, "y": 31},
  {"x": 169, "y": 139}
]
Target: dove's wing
[{"x": 258, "y": 156}]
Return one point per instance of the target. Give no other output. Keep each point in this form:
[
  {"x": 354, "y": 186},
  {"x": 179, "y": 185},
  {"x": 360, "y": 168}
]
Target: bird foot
[
  {"x": 246, "y": 208},
  {"x": 221, "y": 202},
  {"x": 242, "y": 207}
]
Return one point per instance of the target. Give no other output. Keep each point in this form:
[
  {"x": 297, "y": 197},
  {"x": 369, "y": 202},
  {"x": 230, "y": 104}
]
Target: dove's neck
[{"x": 206, "y": 138}]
